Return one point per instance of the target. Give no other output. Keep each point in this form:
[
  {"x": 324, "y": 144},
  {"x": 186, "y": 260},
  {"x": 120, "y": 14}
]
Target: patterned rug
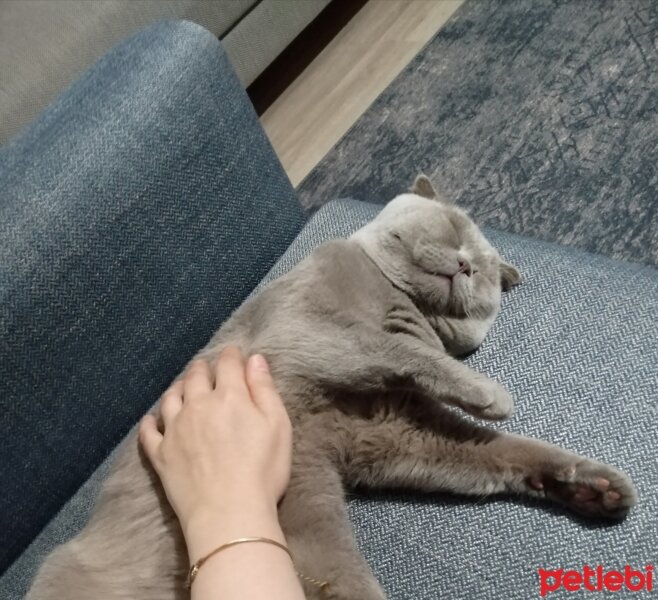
[{"x": 539, "y": 116}]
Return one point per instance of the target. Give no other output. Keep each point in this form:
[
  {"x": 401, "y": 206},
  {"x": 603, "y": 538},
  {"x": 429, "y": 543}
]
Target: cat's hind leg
[
  {"x": 453, "y": 455},
  {"x": 314, "y": 519}
]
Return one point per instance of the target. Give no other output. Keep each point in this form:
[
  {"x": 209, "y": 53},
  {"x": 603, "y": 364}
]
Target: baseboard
[{"x": 286, "y": 67}]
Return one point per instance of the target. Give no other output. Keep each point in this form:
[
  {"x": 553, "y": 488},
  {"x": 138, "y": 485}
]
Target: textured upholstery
[
  {"x": 137, "y": 212},
  {"x": 577, "y": 345}
]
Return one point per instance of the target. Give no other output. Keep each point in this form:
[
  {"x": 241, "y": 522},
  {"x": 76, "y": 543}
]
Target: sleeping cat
[{"x": 361, "y": 338}]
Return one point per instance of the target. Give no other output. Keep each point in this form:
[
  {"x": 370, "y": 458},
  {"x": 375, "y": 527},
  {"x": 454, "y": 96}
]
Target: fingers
[
  {"x": 198, "y": 380},
  {"x": 231, "y": 375},
  {"x": 150, "y": 437},
  {"x": 261, "y": 385},
  {"x": 230, "y": 371},
  {"x": 171, "y": 403}
]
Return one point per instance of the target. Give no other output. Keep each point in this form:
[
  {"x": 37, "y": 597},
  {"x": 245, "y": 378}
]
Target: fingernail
[{"x": 259, "y": 363}]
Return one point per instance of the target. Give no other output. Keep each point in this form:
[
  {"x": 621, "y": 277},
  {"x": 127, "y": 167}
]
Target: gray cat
[{"x": 361, "y": 338}]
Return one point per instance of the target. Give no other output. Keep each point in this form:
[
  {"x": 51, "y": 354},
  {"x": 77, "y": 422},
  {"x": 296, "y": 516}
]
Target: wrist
[{"x": 209, "y": 528}]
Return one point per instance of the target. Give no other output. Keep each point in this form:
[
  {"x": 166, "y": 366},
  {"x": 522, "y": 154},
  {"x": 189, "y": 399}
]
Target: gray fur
[
  {"x": 423, "y": 187},
  {"x": 361, "y": 338}
]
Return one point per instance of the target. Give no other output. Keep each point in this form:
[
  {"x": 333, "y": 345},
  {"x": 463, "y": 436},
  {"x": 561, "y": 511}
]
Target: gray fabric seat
[{"x": 577, "y": 344}]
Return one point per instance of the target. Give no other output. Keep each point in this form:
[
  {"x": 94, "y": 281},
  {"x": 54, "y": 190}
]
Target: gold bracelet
[{"x": 194, "y": 569}]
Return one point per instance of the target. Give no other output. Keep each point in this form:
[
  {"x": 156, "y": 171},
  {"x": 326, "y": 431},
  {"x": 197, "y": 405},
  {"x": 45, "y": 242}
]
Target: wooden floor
[{"x": 344, "y": 79}]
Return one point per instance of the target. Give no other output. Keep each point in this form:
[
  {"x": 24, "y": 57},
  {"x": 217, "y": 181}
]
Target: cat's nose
[{"x": 465, "y": 267}]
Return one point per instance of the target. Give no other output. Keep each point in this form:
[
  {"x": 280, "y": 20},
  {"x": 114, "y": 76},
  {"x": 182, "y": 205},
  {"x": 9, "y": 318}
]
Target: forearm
[{"x": 252, "y": 571}]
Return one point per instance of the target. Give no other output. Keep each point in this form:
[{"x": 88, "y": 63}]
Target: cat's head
[{"x": 434, "y": 252}]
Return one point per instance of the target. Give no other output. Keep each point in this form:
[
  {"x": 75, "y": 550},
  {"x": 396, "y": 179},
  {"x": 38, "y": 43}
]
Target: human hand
[{"x": 227, "y": 442}]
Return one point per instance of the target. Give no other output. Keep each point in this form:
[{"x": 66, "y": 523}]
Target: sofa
[{"x": 575, "y": 343}]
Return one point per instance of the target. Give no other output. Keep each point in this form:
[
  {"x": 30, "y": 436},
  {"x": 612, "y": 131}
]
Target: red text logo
[{"x": 596, "y": 580}]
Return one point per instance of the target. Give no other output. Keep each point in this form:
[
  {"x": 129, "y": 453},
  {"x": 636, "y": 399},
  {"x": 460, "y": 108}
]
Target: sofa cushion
[
  {"x": 97, "y": 256},
  {"x": 577, "y": 344}
]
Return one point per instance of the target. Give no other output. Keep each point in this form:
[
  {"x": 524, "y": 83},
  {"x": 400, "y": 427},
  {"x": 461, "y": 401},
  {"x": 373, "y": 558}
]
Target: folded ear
[
  {"x": 509, "y": 276},
  {"x": 423, "y": 187}
]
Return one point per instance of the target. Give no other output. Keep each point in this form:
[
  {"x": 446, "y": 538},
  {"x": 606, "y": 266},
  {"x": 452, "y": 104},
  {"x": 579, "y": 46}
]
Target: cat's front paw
[
  {"x": 588, "y": 487},
  {"x": 489, "y": 400}
]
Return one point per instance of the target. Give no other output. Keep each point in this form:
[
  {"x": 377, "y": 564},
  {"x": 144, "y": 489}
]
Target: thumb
[{"x": 261, "y": 385}]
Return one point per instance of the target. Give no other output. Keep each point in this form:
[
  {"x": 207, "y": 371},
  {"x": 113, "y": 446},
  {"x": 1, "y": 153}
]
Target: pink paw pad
[{"x": 588, "y": 487}]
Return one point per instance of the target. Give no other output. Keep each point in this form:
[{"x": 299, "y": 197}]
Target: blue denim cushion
[
  {"x": 577, "y": 344},
  {"x": 137, "y": 212}
]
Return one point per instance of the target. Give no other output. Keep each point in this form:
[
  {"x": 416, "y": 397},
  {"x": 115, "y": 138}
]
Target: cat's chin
[{"x": 460, "y": 294}]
